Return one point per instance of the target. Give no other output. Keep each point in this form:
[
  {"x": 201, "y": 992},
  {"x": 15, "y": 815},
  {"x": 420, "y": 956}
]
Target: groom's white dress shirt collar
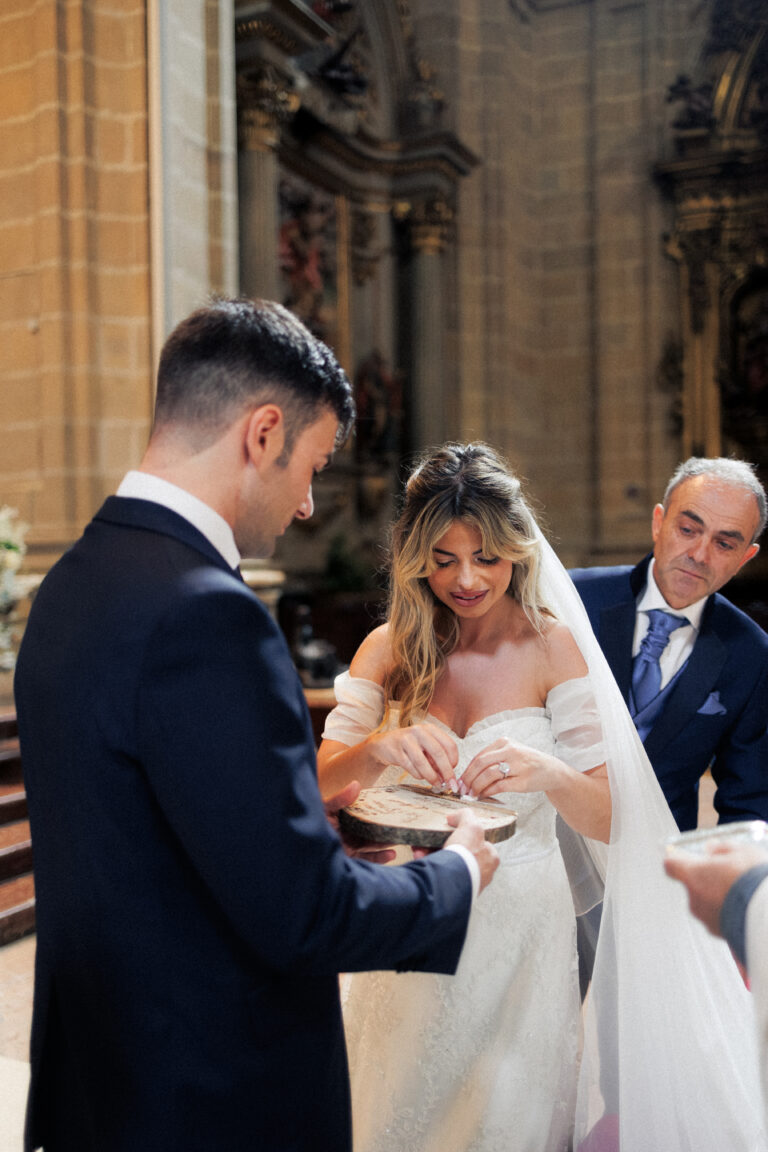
[{"x": 143, "y": 486}]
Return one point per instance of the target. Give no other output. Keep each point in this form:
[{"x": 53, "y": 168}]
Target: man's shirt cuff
[
  {"x": 733, "y": 914},
  {"x": 472, "y": 864}
]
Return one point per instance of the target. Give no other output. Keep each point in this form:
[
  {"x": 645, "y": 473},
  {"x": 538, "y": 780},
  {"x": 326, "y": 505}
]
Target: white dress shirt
[
  {"x": 681, "y": 641},
  {"x": 144, "y": 486}
]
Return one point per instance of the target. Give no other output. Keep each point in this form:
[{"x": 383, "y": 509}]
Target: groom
[{"x": 194, "y": 906}]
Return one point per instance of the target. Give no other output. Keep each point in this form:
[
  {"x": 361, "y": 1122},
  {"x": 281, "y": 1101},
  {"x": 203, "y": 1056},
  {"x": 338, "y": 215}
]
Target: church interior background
[
  {"x": 541, "y": 223},
  {"x": 536, "y": 222}
]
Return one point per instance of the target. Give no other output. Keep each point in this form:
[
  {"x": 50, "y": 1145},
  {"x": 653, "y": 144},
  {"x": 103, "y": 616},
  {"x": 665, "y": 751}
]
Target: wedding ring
[{"x": 504, "y": 769}]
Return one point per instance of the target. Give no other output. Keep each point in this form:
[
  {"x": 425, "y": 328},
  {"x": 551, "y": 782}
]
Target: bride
[{"x": 478, "y": 685}]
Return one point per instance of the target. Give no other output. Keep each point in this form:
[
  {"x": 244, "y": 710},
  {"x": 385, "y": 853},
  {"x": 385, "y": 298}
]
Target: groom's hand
[
  {"x": 374, "y": 853},
  {"x": 471, "y": 835}
]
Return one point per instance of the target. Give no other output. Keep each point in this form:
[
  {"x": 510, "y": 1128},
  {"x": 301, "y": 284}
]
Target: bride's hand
[
  {"x": 425, "y": 751},
  {"x": 505, "y": 766}
]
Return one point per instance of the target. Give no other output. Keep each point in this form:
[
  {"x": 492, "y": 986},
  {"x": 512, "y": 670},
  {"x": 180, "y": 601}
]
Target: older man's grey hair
[{"x": 736, "y": 473}]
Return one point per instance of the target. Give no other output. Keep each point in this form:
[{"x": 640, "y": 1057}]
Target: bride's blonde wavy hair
[{"x": 471, "y": 483}]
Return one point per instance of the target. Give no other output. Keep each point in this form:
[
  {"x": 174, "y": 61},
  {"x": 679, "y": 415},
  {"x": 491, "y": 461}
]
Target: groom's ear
[{"x": 264, "y": 435}]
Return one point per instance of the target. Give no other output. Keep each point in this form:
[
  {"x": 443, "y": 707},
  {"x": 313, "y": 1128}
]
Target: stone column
[
  {"x": 696, "y": 254},
  {"x": 431, "y": 222},
  {"x": 263, "y": 105}
]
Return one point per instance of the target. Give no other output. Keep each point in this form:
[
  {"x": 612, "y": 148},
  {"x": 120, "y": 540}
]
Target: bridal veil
[{"x": 670, "y": 1054}]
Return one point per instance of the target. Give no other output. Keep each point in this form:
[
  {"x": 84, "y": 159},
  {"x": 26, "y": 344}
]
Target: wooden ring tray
[{"x": 410, "y": 814}]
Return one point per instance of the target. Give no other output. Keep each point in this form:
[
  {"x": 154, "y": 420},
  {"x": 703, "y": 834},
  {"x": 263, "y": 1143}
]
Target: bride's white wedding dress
[{"x": 486, "y": 1060}]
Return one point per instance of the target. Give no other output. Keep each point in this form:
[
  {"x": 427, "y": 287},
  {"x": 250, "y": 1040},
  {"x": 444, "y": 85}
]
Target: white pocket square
[{"x": 712, "y": 706}]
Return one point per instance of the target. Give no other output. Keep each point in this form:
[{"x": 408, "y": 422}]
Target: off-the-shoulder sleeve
[
  {"x": 359, "y": 709},
  {"x": 576, "y": 724}
]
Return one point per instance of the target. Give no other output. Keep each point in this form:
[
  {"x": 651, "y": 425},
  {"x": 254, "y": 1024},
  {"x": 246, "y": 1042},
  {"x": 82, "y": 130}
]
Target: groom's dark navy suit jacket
[
  {"x": 194, "y": 905},
  {"x": 717, "y": 710}
]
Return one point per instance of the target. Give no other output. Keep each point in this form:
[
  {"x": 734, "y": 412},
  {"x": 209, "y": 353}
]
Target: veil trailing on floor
[{"x": 670, "y": 1054}]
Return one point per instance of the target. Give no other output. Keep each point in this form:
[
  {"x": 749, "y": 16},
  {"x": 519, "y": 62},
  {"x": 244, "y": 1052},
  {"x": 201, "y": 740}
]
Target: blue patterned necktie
[{"x": 646, "y": 671}]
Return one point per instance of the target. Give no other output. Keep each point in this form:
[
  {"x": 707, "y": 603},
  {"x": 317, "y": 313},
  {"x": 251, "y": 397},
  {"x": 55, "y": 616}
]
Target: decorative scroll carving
[
  {"x": 423, "y": 101},
  {"x": 315, "y": 45},
  {"x": 264, "y": 105},
  {"x": 266, "y": 30},
  {"x": 363, "y": 232},
  {"x": 423, "y": 105},
  {"x": 334, "y": 66},
  {"x": 745, "y": 253},
  {"x": 432, "y": 225},
  {"x": 719, "y": 185},
  {"x": 697, "y": 104}
]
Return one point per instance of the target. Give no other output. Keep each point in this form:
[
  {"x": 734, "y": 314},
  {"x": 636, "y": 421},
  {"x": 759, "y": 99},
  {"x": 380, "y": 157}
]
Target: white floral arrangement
[{"x": 13, "y": 533}]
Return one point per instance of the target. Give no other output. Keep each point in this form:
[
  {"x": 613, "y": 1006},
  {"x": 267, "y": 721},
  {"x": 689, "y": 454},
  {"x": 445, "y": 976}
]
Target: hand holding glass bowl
[
  {"x": 708, "y": 861},
  {"x": 704, "y": 841}
]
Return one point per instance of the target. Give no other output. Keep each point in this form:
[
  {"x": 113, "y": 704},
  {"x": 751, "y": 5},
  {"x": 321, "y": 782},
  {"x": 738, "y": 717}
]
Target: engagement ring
[{"x": 504, "y": 769}]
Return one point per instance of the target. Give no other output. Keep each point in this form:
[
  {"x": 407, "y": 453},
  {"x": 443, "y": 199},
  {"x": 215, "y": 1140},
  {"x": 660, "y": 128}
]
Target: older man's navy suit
[
  {"x": 716, "y": 711},
  {"x": 194, "y": 905}
]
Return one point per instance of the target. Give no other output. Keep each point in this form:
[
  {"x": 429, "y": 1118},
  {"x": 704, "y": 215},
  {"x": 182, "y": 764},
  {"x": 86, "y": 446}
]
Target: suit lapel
[
  {"x": 617, "y": 629},
  {"x": 694, "y": 685},
  {"x": 134, "y": 513}
]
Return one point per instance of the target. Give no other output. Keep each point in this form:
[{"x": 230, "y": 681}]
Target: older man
[{"x": 692, "y": 667}]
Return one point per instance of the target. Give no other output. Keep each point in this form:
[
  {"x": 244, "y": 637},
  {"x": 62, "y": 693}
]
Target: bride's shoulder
[
  {"x": 562, "y": 656},
  {"x": 373, "y": 657}
]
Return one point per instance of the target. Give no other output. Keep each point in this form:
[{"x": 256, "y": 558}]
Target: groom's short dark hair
[{"x": 235, "y": 353}]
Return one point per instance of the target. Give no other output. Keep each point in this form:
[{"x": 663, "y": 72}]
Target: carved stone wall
[
  {"x": 717, "y": 180},
  {"x": 526, "y": 298},
  {"x": 348, "y": 213},
  {"x": 566, "y": 297}
]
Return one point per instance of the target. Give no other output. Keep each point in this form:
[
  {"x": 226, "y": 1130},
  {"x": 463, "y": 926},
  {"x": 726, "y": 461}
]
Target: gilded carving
[
  {"x": 719, "y": 185},
  {"x": 266, "y": 30},
  {"x": 363, "y": 233},
  {"x": 432, "y": 224},
  {"x": 264, "y": 105},
  {"x": 424, "y": 104},
  {"x": 696, "y": 111}
]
